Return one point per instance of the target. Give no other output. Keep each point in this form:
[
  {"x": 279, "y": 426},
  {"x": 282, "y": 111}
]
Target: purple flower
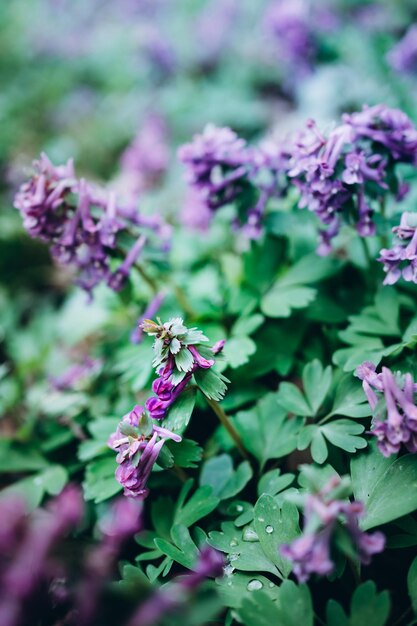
[
  {"x": 333, "y": 173},
  {"x": 401, "y": 260},
  {"x": 217, "y": 161},
  {"x": 290, "y": 26},
  {"x": 395, "y": 420},
  {"x": 29, "y": 564},
  {"x": 210, "y": 564},
  {"x": 82, "y": 224},
  {"x": 403, "y": 56},
  {"x": 138, "y": 444},
  {"x": 145, "y": 161},
  {"x": 311, "y": 553},
  {"x": 76, "y": 374}
]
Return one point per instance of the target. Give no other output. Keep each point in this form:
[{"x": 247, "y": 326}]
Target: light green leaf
[
  {"x": 201, "y": 503},
  {"x": 389, "y": 488},
  {"x": 343, "y": 433},
  {"x": 237, "y": 351},
  {"x": 280, "y": 300},
  {"x": 266, "y": 430},
  {"x": 316, "y": 383},
  {"x": 272, "y": 482},
  {"x": 276, "y": 526},
  {"x": 293, "y": 400}
]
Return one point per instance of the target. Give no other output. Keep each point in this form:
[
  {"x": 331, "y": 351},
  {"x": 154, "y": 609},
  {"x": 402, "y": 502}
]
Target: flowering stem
[{"x": 225, "y": 421}]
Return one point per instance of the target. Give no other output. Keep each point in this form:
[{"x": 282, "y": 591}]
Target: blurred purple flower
[
  {"x": 403, "y": 56},
  {"x": 311, "y": 553},
  {"x": 24, "y": 570},
  {"x": 210, "y": 564},
  {"x": 76, "y": 374},
  {"x": 81, "y": 223},
  {"x": 145, "y": 161},
  {"x": 395, "y": 419}
]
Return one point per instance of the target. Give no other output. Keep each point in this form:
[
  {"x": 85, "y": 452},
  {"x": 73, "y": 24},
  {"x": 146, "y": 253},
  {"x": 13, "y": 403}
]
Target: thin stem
[
  {"x": 183, "y": 301},
  {"x": 217, "y": 409},
  {"x": 366, "y": 252},
  {"x": 148, "y": 279},
  {"x": 179, "y": 473},
  {"x": 382, "y": 207}
]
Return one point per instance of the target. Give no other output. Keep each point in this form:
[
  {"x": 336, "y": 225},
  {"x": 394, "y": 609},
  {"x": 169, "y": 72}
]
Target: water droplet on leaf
[{"x": 254, "y": 585}]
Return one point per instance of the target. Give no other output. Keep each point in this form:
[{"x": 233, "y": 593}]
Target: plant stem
[
  {"x": 366, "y": 251},
  {"x": 217, "y": 409},
  {"x": 183, "y": 301},
  {"x": 148, "y": 279},
  {"x": 179, "y": 473}
]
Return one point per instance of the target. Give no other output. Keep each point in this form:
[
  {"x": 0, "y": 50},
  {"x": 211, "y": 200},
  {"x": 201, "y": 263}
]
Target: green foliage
[{"x": 367, "y": 607}]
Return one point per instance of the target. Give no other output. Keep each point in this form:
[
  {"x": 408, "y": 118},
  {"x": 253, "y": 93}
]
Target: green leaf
[
  {"x": 237, "y": 351},
  {"x": 272, "y": 482},
  {"x": 181, "y": 411},
  {"x": 234, "y": 589},
  {"x": 343, "y": 433},
  {"x": 212, "y": 383},
  {"x": 293, "y": 607},
  {"x": 412, "y": 584},
  {"x": 247, "y": 556},
  {"x": 246, "y": 325},
  {"x": 281, "y": 300},
  {"x": 293, "y": 400},
  {"x": 276, "y": 526},
  {"x": 201, "y": 503},
  {"x": 350, "y": 399},
  {"x": 266, "y": 430},
  {"x": 18, "y": 458},
  {"x": 100, "y": 483},
  {"x": 33, "y": 489},
  {"x": 183, "y": 550},
  {"x": 388, "y": 486},
  {"x": 186, "y": 453},
  {"x": 316, "y": 383},
  {"x": 368, "y": 607},
  {"x": 239, "y": 479}
]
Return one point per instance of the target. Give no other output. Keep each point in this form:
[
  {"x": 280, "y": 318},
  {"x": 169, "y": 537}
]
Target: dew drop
[
  {"x": 261, "y": 519},
  {"x": 254, "y": 585},
  {"x": 239, "y": 508},
  {"x": 271, "y": 585},
  {"x": 233, "y": 543},
  {"x": 269, "y": 529},
  {"x": 228, "y": 570},
  {"x": 233, "y": 557},
  {"x": 249, "y": 534}
]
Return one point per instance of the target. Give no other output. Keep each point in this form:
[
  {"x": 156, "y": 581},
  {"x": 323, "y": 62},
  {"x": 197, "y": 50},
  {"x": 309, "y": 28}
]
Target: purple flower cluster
[
  {"x": 138, "y": 444},
  {"x": 137, "y": 440},
  {"x": 403, "y": 56},
  {"x": 311, "y": 553},
  {"x": 401, "y": 260},
  {"x": 81, "y": 224},
  {"x": 145, "y": 161},
  {"x": 209, "y": 565},
  {"x": 342, "y": 177},
  {"x": 222, "y": 169},
  {"x": 25, "y": 550},
  {"x": 217, "y": 162},
  {"x": 395, "y": 418},
  {"x": 294, "y": 27},
  {"x": 75, "y": 375}
]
